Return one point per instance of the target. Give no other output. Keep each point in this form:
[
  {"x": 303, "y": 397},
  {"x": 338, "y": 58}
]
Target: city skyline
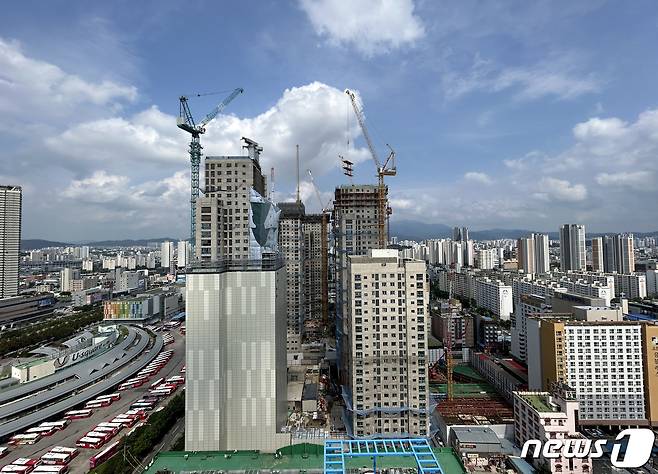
[{"x": 552, "y": 126}]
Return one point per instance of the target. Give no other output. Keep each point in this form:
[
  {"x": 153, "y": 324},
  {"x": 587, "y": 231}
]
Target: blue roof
[{"x": 640, "y": 317}]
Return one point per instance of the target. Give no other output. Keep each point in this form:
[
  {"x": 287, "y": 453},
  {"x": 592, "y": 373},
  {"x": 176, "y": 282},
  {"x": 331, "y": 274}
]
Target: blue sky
[{"x": 503, "y": 114}]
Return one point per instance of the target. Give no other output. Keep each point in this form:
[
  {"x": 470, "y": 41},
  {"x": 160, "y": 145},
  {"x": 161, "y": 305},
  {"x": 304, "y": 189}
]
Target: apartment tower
[
  {"x": 386, "y": 386},
  {"x": 11, "y": 198},
  {"x": 572, "y": 247}
]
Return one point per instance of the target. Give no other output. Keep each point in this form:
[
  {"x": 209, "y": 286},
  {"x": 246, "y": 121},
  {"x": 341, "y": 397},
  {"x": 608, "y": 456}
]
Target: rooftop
[
  {"x": 296, "y": 457},
  {"x": 539, "y": 403},
  {"x": 475, "y": 434}
]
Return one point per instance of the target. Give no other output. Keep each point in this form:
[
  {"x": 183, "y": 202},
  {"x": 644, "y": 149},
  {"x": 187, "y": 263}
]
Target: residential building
[
  {"x": 597, "y": 255},
  {"x": 232, "y": 183},
  {"x": 527, "y": 305},
  {"x": 495, "y": 296},
  {"x": 618, "y": 254},
  {"x": 166, "y": 254},
  {"x": 315, "y": 271},
  {"x": 544, "y": 416},
  {"x": 487, "y": 259},
  {"x": 609, "y": 364},
  {"x": 183, "y": 254},
  {"x": 525, "y": 254},
  {"x": 66, "y": 277},
  {"x": 10, "y": 239},
  {"x": 291, "y": 244},
  {"x": 572, "y": 247},
  {"x": 542, "y": 255},
  {"x": 387, "y": 390}
]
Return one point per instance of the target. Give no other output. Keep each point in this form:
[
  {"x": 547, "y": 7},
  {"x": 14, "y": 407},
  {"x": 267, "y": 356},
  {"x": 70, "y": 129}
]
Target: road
[{"x": 78, "y": 428}]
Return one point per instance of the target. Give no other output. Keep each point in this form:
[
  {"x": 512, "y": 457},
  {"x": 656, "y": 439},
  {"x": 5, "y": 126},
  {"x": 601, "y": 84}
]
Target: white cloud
[
  {"x": 371, "y": 26},
  {"x": 637, "y": 180},
  {"x": 478, "y": 177},
  {"x": 554, "y": 189},
  {"x": 33, "y": 90},
  {"x": 559, "y": 76}
]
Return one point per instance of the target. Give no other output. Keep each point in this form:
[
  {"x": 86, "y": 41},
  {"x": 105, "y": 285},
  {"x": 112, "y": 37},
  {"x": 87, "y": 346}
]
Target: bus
[
  {"x": 125, "y": 421},
  {"x": 99, "y": 403},
  {"x": 176, "y": 379},
  {"x": 73, "y": 452},
  {"x": 58, "y": 425},
  {"x": 17, "y": 469},
  {"x": 3, "y": 451},
  {"x": 20, "y": 439},
  {"x": 104, "y": 455},
  {"x": 26, "y": 462},
  {"x": 56, "y": 469},
  {"x": 100, "y": 434},
  {"x": 56, "y": 458},
  {"x": 143, "y": 405},
  {"x": 157, "y": 382},
  {"x": 108, "y": 430},
  {"x": 78, "y": 414},
  {"x": 42, "y": 430},
  {"x": 164, "y": 391},
  {"x": 112, "y": 396},
  {"x": 111, "y": 424},
  {"x": 182, "y": 371},
  {"x": 90, "y": 443},
  {"x": 136, "y": 413}
]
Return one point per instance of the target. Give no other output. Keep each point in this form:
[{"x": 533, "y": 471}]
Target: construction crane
[
  {"x": 186, "y": 122},
  {"x": 386, "y": 169},
  {"x": 324, "y": 257}
]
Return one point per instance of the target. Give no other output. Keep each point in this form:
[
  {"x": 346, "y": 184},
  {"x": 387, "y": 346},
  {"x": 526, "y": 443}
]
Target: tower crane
[
  {"x": 386, "y": 169},
  {"x": 186, "y": 122},
  {"x": 324, "y": 257}
]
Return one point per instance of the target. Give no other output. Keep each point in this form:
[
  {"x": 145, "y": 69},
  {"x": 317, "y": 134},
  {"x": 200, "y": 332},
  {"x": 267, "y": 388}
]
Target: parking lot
[{"x": 78, "y": 428}]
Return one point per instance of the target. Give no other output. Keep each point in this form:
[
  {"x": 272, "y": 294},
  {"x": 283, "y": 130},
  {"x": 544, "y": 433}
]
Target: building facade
[
  {"x": 572, "y": 247},
  {"x": 597, "y": 255},
  {"x": 387, "y": 388},
  {"x": 11, "y": 198}
]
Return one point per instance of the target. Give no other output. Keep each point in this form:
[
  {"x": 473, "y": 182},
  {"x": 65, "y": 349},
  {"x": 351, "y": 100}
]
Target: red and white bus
[
  {"x": 90, "y": 443},
  {"x": 111, "y": 424},
  {"x": 161, "y": 392},
  {"x": 73, "y": 452},
  {"x": 56, "y": 458},
  {"x": 142, "y": 405},
  {"x": 99, "y": 403},
  {"x": 51, "y": 468},
  {"x": 78, "y": 414},
  {"x": 176, "y": 379},
  {"x": 59, "y": 425},
  {"x": 17, "y": 469},
  {"x": 141, "y": 414},
  {"x": 108, "y": 430},
  {"x": 3, "y": 451},
  {"x": 20, "y": 439},
  {"x": 42, "y": 430},
  {"x": 112, "y": 396},
  {"x": 157, "y": 382},
  {"x": 104, "y": 455},
  {"x": 126, "y": 422},
  {"x": 100, "y": 434}
]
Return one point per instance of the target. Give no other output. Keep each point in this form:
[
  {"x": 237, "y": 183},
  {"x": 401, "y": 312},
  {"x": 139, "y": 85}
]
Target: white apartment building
[
  {"x": 10, "y": 239},
  {"x": 597, "y": 255},
  {"x": 487, "y": 259},
  {"x": 182, "y": 254},
  {"x": 387, "y": 387},
  {"x": 651, "y": 278},
  {"x": 66, "y": 277},
  {"x": 166, "y": 254},
  {"x": 526, "y": 305},
  {"x": 547, "y": 416},
  {"x": 495, "y": 296}
]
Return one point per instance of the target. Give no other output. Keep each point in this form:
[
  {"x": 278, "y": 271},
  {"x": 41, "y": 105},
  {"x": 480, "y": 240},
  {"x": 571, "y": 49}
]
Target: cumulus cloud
[
  {"x": 32, "y": 89},
  {"x": 478, "y": 177},
  {"x": 559, "y": 76},
  {"x": 554, "y": 189},
  {"x": 637, "y": 180},
  {"x": 371, "y": 26}
]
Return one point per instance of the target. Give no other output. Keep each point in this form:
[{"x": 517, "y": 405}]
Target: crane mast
[
  {"x": 386, "y": 169},
  {"x": 186, "y": 122}
]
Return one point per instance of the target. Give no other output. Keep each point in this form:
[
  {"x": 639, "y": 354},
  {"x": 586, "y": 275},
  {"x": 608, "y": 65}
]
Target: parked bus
[
  {"x": 104, "y": 455},
  {"x": 176, "y": 379},
  {"x": 90, "y": 443},
  {"x": 42, "y": 430},
  {"x": 111, "y": 424},
  {"x": 3, "y": 451},
  {"x": 56, "y": 458},
  {"x": 161, "y": 392},
  {"x": 143, "y": 405},
  {"x": 126, "y": 422},
  {"x": 50, "y": 468},
  {"x": 78, "y": 414},
  {"x": 99, "y": 403},
  {"x": 108, "y": 430},
  {"x": 15, "y": 468},
  {"x": 112, "y": 396},
  {"x": 59, "y": 425},
  {"x": 73, "y": 452},
  {"x": 99, "y": 434},
  {"x": 157, "y": 382},
  {"x": 20, "y": 439}
]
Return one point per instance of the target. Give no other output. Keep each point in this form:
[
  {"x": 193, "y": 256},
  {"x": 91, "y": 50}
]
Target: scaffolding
[{"x": 337, "y": 452}]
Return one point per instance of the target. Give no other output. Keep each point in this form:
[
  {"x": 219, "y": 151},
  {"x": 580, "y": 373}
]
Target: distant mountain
[{"x": 32, "y": 244}]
